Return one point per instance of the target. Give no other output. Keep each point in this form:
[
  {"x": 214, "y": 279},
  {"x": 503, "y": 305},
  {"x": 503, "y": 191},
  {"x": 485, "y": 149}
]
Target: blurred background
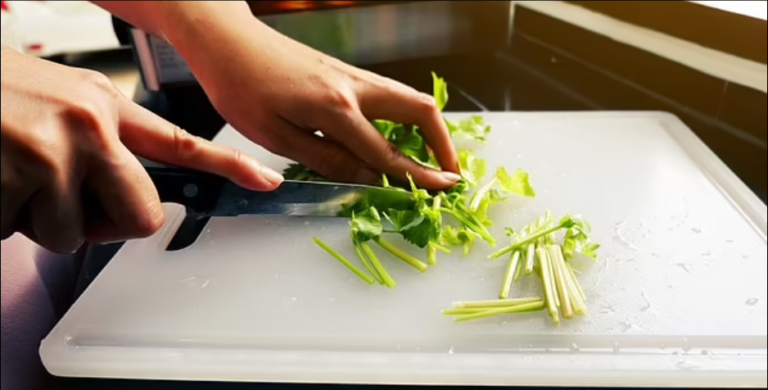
[{"x": 704, "y": 61}]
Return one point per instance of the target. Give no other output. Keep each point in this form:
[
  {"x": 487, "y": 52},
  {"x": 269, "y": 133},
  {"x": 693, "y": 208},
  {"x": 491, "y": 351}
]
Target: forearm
[
  {"x": 168, "y": 18},
  {"x": 197, "y": 29}
]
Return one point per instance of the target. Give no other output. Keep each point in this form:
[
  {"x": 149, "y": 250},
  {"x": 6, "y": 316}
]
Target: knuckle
[
  {"x": 336, "y": 163},
  {"x": 184, "y": 144},
  {"x": 392, "y": 155},
  {"x": 148, "y": 223},
  {"x": 426, "y": 103},
  {"x": 341, "y": 101},
  {"x": 275, "y": 145},
  {"x": 99, "y": 81}
]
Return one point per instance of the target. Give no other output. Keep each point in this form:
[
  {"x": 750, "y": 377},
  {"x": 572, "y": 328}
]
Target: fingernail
[
  {"x": 271, "y": 176},
  {"x": 450, "y": 177},
  {"x": 366, "y": 176}
]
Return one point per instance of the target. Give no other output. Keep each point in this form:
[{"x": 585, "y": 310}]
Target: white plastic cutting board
[{"x": 677, "y": 299}]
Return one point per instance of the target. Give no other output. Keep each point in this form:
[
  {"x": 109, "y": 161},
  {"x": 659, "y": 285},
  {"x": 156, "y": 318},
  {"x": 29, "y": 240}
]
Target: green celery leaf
[
  {"x": 458, "y": 237},
  {"x": 518, "y": 184},
  {"x": 366, "y": 226},
  {"x": 411, "y": 144},
  {"x": 492, "y": 197},
  {"x": 472, "y": 168},
  {"x": 440, "y": 91},
  {"x": 402, "y": 220},
  {"x": 386, "y": 128},
  {"x": 473, "y": 128},
  {"x": 577, "y": 241},
  {"x": 417, "y": 227},
  {"x": 421, "y": 196}
]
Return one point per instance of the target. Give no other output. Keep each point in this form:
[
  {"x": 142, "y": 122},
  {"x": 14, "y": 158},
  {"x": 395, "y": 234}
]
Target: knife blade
[{"x": 207, "y": 195}]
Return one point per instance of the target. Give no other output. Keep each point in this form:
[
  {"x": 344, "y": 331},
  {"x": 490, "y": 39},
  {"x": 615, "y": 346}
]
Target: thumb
[{"x": 154, "y": 138}]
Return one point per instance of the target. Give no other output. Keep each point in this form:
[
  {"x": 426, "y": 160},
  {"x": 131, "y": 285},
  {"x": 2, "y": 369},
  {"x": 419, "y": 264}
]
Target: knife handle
[{"x": 197, "y": 191}]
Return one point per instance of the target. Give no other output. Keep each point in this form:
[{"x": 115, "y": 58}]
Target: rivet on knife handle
[{"x": 197, "y": 191}]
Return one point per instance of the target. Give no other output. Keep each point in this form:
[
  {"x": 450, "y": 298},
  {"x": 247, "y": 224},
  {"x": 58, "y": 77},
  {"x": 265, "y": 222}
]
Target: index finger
[{"x": 152, "y": 137}]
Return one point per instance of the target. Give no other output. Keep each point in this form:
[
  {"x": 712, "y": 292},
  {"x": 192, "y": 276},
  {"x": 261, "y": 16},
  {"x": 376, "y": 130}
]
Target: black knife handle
[{"x": 197, "y": 191}]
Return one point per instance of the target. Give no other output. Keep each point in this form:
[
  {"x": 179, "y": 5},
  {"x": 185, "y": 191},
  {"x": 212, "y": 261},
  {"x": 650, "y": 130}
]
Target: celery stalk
[
  {"x": 366, "y": 262},
  {"x": 525, "y": 308},
  {"x": 556, "y": 255},
  {"x": 397, "y": 252},
  {"x": 463, "y": 311},
  {"x": 495, "y": 303},
  {"x": 576, "y": 282},
  {"x": 432, "y": 249},
  {"x": 530, "y": 259},
  {"x": 431, "y": 255},
  {"x": 514, "y": 263},
  {"x": 547, "y": 283},
  {"x": 368, "y": 251},
  {"x": 344, "y": 261},
  {"x": 552, "y": 275},
  {"x": 530, "y": 239}
]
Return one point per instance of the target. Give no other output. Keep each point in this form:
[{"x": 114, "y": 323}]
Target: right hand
[{"x": 68, "y": 133}]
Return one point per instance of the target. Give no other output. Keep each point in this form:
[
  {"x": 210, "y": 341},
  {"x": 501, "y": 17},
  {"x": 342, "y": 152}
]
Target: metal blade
[{"x": 308, "y": 199}]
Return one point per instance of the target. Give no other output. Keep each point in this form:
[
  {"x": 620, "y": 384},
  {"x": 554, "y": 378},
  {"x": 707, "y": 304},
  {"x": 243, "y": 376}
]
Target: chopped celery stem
[
  {"x": 525, "y": 308},
  {"x": 368, "y": 251},
  {"x": 495, "y": 303},
  {"x": 397, "y": 252},
  {"x": 344, "y": 261}
]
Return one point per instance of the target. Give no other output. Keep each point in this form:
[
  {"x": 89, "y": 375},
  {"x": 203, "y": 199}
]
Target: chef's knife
[{"x": 206, "y": 195}]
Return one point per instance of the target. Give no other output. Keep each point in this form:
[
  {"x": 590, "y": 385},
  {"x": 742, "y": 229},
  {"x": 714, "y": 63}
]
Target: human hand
[
  {"x": 279, "y": 93},
  {"x": 68, "y": 134}
]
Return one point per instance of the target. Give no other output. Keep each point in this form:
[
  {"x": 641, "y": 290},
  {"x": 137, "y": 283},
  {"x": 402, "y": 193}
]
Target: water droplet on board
[
  {"x": 294, "y": 299},
  {"x": 745, "y": 257},
  {"x": 685, "y": 267},
  {"x": 575, "y": 347},
  {"x": 752, "y": 302},
  {"x": 627, "y": 326},
  {"x": 686, "y": 365},
  {"x": 729, "y": 241},
  {"x": 697, "y": 230},
  {"x": 607, "y": 309},
  {"x": 707, "y": 254},
  {"x": 686, "y": 345},
  {"x": 647, "y": 305},
  {"x": 450, "y": 350},
  {"x": 619, "y": 236}
]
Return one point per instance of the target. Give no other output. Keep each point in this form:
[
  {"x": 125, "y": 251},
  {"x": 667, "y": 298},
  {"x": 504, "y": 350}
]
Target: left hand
[{"x": 279, "y": 93}]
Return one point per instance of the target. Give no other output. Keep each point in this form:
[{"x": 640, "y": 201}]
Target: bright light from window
[{"x": 755, "y": 9}]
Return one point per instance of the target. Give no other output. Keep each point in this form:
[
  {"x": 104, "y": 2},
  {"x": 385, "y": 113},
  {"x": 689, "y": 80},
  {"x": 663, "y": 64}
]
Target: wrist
[
  {"x": 200, "y": 26},
  {"x": 215, "y": 34}
]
